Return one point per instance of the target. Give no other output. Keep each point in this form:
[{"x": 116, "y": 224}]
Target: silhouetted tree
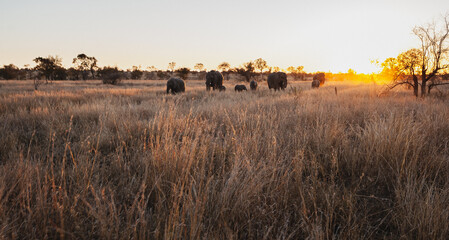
[
  {"x": 434, "y": 48},
  {"x": 85, "y": 64},
  {"x": 420, "y": 67},
  {"x": 48, "y": 66},
  {"x": 404, "y": 69},
  {"x": 60, "y": 73},
  {"x": 9, "y": 72},
  {"x": 28, "y": 71},
  {"x": 136, "y": 72},
  {"x": 73, "y": 74},
  {"x": 110, "y": 75},
  {"x": 163, "y": 75},
  {"x": 246, "y": 71},
  {"x": 183, "y": 72}
]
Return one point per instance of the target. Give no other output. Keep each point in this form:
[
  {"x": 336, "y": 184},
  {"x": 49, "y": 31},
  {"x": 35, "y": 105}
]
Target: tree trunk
[
  {"x": 423, "y": 84},
  {"x": 415, "y": 86},
  {"x": 423, "y": 88}
]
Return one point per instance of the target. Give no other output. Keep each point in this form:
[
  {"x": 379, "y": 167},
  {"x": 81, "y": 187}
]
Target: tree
[
  {"x": 28, "y": 71},
  {"x": 421, "y": 67},
  {"x": 404, "y": 69},
  {"x": 48, "y": 66},
  {"x": 60, "y": 73},
  {"x": 110, "y": 75},
  {"x": 274, "y": 69},
  {"x": 183, "y": 72},
  {"x": 224, "y": 67},
  {"x": 9, "y": 72},
  {"x": 151, "y": 68},
  {"x": 85, "y": 64},
  {"x": 199, "y": 67},
  {"x": 73, "y": 74},
  {"x": 136, "y": 72},
  {"x": 260, "y": 64},
  {"x": 434, "y": 49},
  {"x": 247, "y": 70},
  {"x": 171, "y": 66},
  {"x": 162, "y": 74},
  {"x": 297, "y": 72}
]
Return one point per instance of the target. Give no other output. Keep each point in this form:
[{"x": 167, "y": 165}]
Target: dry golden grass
[{"x": 85, "y": 160}]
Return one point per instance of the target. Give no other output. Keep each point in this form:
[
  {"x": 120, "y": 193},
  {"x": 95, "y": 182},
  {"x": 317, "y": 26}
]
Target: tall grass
[{"x": 129, "y": 162}]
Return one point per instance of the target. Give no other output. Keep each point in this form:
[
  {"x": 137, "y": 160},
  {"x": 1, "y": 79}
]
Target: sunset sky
[{"x": 320, "y": 35}]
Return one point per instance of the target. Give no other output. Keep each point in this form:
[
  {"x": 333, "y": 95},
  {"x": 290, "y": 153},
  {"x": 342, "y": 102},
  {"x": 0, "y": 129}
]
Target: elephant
[
  {"x": 277, "y": 80},
  {"x": 214, "y": 79},
  {"x": 316, "y": 83},
  {"x": 239, "y": 88},
  {"x": 222, "y": 88},
  {"x": 176, "y": 85},
  {"x": 253, "y": 85}
]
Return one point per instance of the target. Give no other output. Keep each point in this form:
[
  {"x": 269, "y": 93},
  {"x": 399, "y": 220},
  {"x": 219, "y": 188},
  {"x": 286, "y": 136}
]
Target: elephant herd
[{"x": 214, "y": 80}]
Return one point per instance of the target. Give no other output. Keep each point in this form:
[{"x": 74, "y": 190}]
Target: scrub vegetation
[{"x": 80, "y": 159}]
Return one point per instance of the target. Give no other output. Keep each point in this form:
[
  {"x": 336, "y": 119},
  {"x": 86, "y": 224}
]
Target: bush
[
  {"x": 9, "y": 72},
  {"x": 113, "y": 79},
  {"x": 110, "y": 75},
  {"x": 321, "y": 77},
  {"x": 183, "y": 72}
]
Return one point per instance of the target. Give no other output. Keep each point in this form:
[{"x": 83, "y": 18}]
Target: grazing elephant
[
  {"x": 253, "y": 85},
  {"x": 316, "y": 83},
  {"x": 239, "y": 88},
  {"x": 214, "y": 79},
  {"x": 176, "y": 85},
  {"x": 222, "y": 88},
  {"x": 277, "y": 80}
]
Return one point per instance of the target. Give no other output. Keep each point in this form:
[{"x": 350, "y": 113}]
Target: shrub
[
  {"x": 321, "y": 77},
  {"x": 110, "y": 75}
]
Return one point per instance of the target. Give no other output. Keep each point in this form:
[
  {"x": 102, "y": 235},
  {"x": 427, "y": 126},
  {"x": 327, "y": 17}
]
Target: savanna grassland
[{"x": 83, "y": 160}]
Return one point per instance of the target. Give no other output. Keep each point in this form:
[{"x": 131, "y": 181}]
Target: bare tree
[{"x": 434, "y": 48}]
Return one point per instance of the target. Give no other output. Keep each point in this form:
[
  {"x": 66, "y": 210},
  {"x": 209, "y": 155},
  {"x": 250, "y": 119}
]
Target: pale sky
[{"x": 319, "y": 35}]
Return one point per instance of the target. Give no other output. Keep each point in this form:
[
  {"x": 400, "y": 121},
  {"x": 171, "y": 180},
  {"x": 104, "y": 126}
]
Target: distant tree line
[{"x": 86, "y": 67}]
